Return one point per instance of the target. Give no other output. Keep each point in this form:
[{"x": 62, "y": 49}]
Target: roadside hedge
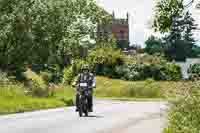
[
  {"x": 194, "y": 72},
  {"x": 133, "y": 72},
  {"x": 184, "y": 115}
]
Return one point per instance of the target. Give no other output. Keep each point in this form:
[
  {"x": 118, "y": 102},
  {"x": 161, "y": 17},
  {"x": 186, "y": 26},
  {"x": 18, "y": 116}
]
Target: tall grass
[
  {"x": 184, "y": 115},
  {"x": 118, "y": 88},
  {"x": 13, "y": 99},
  {"x": 107, "y": 87}
]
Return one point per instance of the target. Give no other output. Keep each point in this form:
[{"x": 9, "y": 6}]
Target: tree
[
  {"x": 165, "y": 11},
  {"x": 122, "y": 44},
  {"x": 180, "y": 41},
  {"x": 174, "y": 46},
  {"x": 32, "y": 31},
  {"x": 109, "y": 42},
  {"x": 195, "y": 51},
  {"x": 171, "y": 19},
  {"x": 153, "y": 45},
  {"x": 189, "y": 26}
]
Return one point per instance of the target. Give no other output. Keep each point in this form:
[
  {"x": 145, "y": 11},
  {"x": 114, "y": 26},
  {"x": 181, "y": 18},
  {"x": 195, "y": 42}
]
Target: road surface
[{"x": 109, "y": 117}]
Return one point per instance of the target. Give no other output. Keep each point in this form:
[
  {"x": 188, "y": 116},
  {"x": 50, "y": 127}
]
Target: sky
[{"x": 141, "y": 13}]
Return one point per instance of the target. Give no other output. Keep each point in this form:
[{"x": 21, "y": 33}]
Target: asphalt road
[{"x": 108, "y": 117}]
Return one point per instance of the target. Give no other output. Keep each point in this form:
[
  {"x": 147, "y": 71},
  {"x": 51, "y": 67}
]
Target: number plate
[{"x": 83, "y": 84}]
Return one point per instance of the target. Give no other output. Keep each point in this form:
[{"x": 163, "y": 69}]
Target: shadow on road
[{"x": 94, "y": 116}]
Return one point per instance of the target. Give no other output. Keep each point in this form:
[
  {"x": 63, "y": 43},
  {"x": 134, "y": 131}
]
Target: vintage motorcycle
[{"x": 83, "y": 106}]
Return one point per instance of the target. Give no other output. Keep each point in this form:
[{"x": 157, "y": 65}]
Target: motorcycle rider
[{"x": 86, "y": 77}]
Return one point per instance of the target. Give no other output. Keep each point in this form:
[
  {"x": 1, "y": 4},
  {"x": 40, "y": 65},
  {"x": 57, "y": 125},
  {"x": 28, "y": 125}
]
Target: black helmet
[{"x": 85, "y": 67}]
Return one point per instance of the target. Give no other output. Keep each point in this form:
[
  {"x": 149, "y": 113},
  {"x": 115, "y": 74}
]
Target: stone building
[{"x": 119, "y": 28}]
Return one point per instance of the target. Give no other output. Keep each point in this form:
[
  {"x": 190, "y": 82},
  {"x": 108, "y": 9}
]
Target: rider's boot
[
  {"x": 77, "y": 102},
  {"x": 90, "y": 104},
  {"x": 91, "y": 109}
]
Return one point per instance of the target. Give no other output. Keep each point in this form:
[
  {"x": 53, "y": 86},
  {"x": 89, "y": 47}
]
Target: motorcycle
[{"x": 83, "y": 106}]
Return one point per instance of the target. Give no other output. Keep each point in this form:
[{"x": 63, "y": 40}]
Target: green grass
[
  {"x": 149, "y": 89},
  {"x": 27, "y": 104},
  {"x": 65, "y": 94},
  {"x": 184, "y": 115},
  {"x": 13, "y": 99}
]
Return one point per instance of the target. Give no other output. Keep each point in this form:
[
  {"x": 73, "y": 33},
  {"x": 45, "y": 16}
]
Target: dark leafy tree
[
  {"x": 171, "y": 20},
  {"x": 180, "y": 41},
  {"x": 189, "y": 26},
  {"x": 165, "y": 12},
  {"x": 153, "y": 45},
  {"x": 47, "y": 31}
]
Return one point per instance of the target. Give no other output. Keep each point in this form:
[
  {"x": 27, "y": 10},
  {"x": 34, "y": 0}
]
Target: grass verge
[
  {"x": 139, "y": 90},
  {"x": 184, "y": 115},
  {"x": 13, "y": 99}
]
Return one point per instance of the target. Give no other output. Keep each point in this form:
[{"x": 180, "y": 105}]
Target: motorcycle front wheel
[
  {"x": 86, "y": 113},
  {"x": 80, "y": 110},
  {"x": 80, "y": 113}
]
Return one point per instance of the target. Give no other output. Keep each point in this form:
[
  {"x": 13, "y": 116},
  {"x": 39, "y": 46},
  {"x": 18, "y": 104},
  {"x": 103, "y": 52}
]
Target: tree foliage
[
  {"x": 178, "y": 25},
  {"x": 164, "y": 13},
  {"x": 180, "y": 41},
  {"x": 153, "y": 45},
  {"x": 35, "y": 31},
  {"x": 164, "y": 71},
  {"x": 188, "y": 35}
]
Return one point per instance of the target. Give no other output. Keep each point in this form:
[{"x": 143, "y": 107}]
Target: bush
[
  {"x": 70, "y": 72},
  {"x": 50, "y": 73},
  {"x": 68, "y": 75},
  {"x": 172, "y": 71},
  {"x": 154, "y": 45},
  {"x": 133, "y": 72},
  {"x": 46, "y": 76},
  {"x": 136, "y": 72},
  {"x": 144, "y": 59},
  {"x": 3, "y": 77},
  {"x": 184, "y": 116},
  {"x": 194, "y": 72},
  {"x": 36, "y": 84},
  {"x": 105, "y": 59}
]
